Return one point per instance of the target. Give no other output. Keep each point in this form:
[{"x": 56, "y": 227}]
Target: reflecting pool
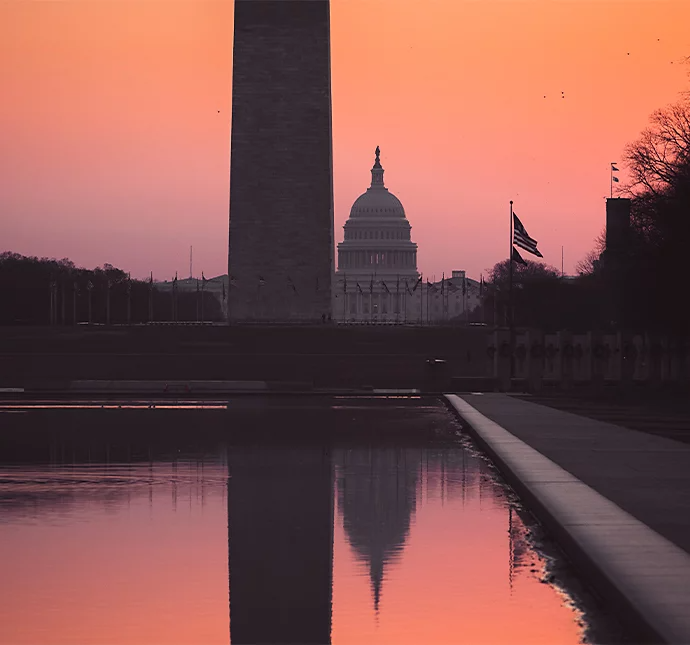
[{"x": 213, "y": 539}]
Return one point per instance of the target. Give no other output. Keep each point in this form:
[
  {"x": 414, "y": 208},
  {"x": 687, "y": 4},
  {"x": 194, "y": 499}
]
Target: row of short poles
[{"x": 56, "y": 317}]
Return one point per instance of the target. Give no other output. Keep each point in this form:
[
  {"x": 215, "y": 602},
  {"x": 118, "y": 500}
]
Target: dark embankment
[{"x": 327, "y": 356}]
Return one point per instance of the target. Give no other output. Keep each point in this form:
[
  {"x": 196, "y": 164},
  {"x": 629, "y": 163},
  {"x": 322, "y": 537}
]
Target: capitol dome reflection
[{"x": 376, "y": 491}]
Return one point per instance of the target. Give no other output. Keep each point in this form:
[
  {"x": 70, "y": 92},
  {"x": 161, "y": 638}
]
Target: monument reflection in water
[
  {"x": 280, "y": 527},
  {"x": 300, "y": 575},
  {"x": 309, "y": 544}
]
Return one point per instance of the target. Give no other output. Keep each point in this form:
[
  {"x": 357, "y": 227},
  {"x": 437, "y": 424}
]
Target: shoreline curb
[{"x": 643, "y": 576}]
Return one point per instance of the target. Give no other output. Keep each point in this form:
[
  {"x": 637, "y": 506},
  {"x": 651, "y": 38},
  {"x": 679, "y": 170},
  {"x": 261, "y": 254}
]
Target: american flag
[
  {"x": 522, "y": 239},
  {"x": 518, "y": 258}
]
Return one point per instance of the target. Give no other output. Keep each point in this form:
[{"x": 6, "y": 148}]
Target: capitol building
[{"x": 377, "y": 278}]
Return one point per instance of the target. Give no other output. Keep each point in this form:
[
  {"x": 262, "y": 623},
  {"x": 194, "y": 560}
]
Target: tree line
[{"x": 44, "y": 291}]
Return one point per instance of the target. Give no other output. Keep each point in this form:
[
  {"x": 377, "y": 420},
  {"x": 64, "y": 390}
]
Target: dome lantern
[
  {"x": 377, "y": 171},
  {"x": 377, "y": 201}
]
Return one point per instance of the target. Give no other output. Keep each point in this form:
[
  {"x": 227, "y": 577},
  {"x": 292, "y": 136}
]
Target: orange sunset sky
[{"x": 115, "y": 122}]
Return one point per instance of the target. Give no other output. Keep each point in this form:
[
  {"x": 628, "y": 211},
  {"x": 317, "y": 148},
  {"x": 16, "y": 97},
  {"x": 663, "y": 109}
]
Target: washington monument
[{"x": 281, "y": 162}]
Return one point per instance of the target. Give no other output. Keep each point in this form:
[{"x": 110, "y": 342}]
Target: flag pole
[
  {"x": 371, "y": 298},
  {"x": 151, "y": 298},
  {"x": 421, "y": 299},
  {"x": 465, "y": 304},
  {"x": 427, "y": 303},
  {"x": 510, "y": 268},
  {"x": 510, "y": 292}
]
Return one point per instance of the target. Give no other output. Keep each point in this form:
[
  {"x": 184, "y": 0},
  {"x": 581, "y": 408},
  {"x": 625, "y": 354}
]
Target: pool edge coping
[{"x": 542, "y": 485}]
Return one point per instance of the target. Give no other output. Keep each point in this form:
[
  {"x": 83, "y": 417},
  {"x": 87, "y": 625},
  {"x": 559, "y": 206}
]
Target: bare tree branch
[{"x": 658, "y": 158}]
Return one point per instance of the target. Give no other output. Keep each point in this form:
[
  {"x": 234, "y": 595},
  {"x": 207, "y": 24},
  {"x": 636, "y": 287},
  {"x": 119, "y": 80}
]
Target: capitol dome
[
  {"x": 377, "y": 278},
  {"x": 377, "y": 234},
  {"x": 378, "y": 201}
]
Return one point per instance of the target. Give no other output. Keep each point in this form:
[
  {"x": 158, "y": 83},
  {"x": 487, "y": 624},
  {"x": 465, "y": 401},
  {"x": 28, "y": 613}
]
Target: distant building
[
  {"x": 218, "y": 287},
  {"x": 377, "y": 278},
  {"x": 617, "y": 227},
  {"x": 616, "y": 253}
]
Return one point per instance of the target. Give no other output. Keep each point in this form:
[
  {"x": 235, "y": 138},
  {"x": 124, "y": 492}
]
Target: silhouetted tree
[
  {"x": 529, "y": 272},
  {"x": 591, "y": 263},
  {"x": 659, "y": 161},
  {"x": 543, "y": 299}
]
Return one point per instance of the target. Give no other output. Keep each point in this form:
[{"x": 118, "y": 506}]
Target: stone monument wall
[{"x": 281, "y": 176}]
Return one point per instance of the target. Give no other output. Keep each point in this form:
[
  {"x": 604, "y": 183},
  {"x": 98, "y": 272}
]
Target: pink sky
[{"x": 115, "y": 122}]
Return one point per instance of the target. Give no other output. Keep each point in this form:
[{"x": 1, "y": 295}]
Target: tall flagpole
[
  {"x": 510, "y": 270},
  {"x": 510, "y": 292}
]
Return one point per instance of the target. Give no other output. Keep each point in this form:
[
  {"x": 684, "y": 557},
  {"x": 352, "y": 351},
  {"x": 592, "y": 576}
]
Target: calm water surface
[{"x": 342, "y": 542}]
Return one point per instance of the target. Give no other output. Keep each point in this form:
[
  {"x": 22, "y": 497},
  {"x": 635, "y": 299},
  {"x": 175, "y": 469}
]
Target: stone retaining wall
[{"x": 594, "y": 359}]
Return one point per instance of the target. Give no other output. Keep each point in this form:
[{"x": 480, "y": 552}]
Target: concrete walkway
[
  {"x": 660, "y": 413},
  {"x": 617, "y": 500}
]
